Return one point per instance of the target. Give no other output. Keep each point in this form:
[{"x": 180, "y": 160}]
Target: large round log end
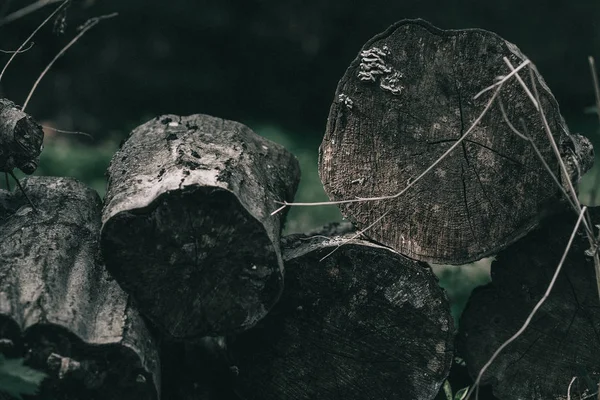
[
  {"x": 364, "y": 322},
  {"x": 403, "y": 103}
]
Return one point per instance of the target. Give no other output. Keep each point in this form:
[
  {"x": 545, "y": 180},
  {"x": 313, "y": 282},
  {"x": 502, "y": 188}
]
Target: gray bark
[
  {"x": 405, "y": 99},
  {"x": 58, "y": 305},
  {"x": 21, "y": 139},
  {"x": 364, "y": 323},
  {"x": 187, "y": 225},
  {"x": 562, "y": 340}
]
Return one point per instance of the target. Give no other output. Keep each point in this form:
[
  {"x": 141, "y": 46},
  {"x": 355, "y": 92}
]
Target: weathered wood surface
[
  {"x": 365, "y": 323},
  {"x": 562, "y": 340},
  {"x": 401, "y": 104},
  {"x": 58, "y": 305},
  {"x": 21, "y": 139},
  {"x": 187, "y": 225}
]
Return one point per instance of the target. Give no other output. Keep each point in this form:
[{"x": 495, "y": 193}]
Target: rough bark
[
  {"x": 21, "y": 139},
  {"x": 406, "y": 98},
  {"x": 187, "y": 225},
  {"x": 562, "y": 340},
  {"x": 364, "y": 323},
  {"x": 58, "y": 305}
]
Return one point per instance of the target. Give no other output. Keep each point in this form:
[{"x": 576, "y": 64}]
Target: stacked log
[
  {"x": 403, "y": 102},
  {"x": 21, "y": 139},
  {"x": 59, "y": 308},
  {"x": 187, "y": 227},
  {"x": 562, "y": 340},
  {"x": 362, "y": 323}
]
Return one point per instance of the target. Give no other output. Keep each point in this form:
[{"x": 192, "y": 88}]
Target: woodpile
[{"x": 179, "y": 284}]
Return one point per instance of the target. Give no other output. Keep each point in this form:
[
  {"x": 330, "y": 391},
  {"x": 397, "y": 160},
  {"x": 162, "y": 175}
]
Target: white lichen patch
[
  {"x": 374, "y": 66},
  {"x": 391, "y": 83},
  {"x": 345, "y": 100}
]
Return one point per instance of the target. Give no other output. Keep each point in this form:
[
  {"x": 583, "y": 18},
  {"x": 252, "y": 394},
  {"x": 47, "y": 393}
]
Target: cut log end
[
  {"x": 561, "y": 341},
  {"x": 187, "y": 225},
  {"x": 363, "y": 323},
  {"x": 21, "y": 139},
  {"x": 403, "y": 102},
  {"x": 209, "y": 266}
]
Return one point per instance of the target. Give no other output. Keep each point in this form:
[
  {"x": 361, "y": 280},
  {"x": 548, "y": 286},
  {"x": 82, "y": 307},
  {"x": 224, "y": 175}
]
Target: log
[
  {"x": 365, "y": 323},
  {"x": 187, "y": 228},
  {"x": 59, "y": 308},
  {"x": 21, "y": 139},
  {"x": 562, "y": 340},
  {"x": 402, "y": 103}
]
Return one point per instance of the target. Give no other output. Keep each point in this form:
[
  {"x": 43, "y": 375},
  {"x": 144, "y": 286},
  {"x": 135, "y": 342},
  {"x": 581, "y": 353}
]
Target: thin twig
[
  {"x": 553, "y": 144},
  {"x": 539, "y": 304},
  {"x": 523, "y": 85},
  {"x": 538, "y": 105},
  {"x": 589, "y": 396},
  {"x": 12, "y": 174},
  {"x": 58, "y": 9},
  {"x": 86, "y": 27},
  {"x": 596, "y": 187},
  {"x": 569, "y": 388},
  {"x": 498, "y": 85},
  {"x": 567, "y": 178},
  {"x": 541, "y": 158},
  {"x": 67, "y": 132},
  {"x": 596, "y": 86},
  {"x": 16, "y": 51},
  {"x": 33, "y": 7},
  {"x": 501, "y": 81}
]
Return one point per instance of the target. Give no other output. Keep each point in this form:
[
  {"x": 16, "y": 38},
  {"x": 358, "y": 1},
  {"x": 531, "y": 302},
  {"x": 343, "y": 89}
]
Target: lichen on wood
[
  {"x": 59, "y": 308},
  {"x": 408, "y": 97},
  {"x": 187, "y": 225}
]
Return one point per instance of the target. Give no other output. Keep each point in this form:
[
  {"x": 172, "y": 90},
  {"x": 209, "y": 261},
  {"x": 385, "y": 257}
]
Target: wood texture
[
  {"x": 59, "y": 307},
  {"x": 405, "y": 99},
  {"x": 21, "y": 139},
  {"x": 563, "y": 339},
  {"x": 365, "y": 323},
  {"x": 187, "y": 225}
]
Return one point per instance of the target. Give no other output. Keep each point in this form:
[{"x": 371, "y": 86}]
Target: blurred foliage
[
  {"x": 17, "y": 379},
  {"x": 460, "y": 280}
]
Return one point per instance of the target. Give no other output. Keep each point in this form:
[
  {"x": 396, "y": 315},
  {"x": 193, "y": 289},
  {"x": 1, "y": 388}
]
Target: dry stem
[
  {"x": 33, "y": 7},
  {"x": 86, "y": 27},
  {"x": 475, "y": 387},
  {"x": 58, "y": 9}
]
